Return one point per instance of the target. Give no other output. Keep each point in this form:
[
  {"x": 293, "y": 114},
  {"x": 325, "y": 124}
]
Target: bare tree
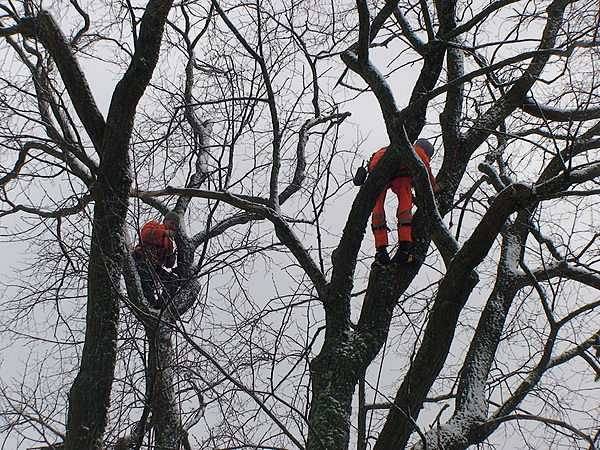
[
  {"x": 107, "y": 182},
  {"x": 249, "y": 127}
]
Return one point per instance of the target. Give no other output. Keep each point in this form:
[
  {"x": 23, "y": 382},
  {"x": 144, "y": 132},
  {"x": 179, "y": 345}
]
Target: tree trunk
[
  {"x": 165, "y": 414},
  {"x": 89, "y": 397},
  {"x": 346, "y": 354},
  {"x": 331, "y": 405}
]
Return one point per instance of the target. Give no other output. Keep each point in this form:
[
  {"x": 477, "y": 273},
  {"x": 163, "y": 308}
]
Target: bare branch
[{"x": 44, "y": 28}]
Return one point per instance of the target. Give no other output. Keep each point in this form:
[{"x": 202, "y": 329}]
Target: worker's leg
[
  {"x": 402, "y": 187},
  {"x": 169, "y": 281},
  {"x": 147, "y": 280},
  {"x": 380, "y": 229},
  {"x": 378, "y": 223}
]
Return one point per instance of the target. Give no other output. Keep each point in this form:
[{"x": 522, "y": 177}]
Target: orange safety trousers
[{"x": 402, "y": 187}]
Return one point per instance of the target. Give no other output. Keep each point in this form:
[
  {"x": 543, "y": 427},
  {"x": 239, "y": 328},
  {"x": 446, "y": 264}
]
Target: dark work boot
[
  {"x": 404, "y": 253},
  {"x": 381, "y": 256}
]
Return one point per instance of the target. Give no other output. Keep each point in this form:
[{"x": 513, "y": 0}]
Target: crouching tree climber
[
  {"x": 402, "y": 187},
  {"x": 154, "y": 254}
]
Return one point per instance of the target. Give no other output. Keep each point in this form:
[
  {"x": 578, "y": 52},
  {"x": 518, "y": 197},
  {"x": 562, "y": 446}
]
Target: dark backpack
[{"x": 361, "y": 175}]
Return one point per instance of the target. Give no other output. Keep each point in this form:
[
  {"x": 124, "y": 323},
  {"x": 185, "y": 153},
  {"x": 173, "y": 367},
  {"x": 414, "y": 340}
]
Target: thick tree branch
[
  {"x": 457, "y": 158},
  {"x": 80, "y": 204},
  {"x": 409, "y": 33},
  {"x": 454, "y": 290},
  {"x": 451, "y": 115},
  {"x": 477, "y": 19},
  {"x": 303, "y": 136},
  {"x": 515, "y": 95},
  {"x": 19, "y": 164},
  {"x": 364, "y": 25},
  {"x": 561, "y": 269},
  {"x": 249, "y": 204},
  {"x": 532, "y": 107},
  {"x": 45, "y": 29},
  {"x": 471, "y": 403}
]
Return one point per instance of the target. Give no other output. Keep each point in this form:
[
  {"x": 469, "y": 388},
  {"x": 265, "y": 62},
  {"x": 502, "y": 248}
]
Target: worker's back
[{"x": 156, "y": 243}]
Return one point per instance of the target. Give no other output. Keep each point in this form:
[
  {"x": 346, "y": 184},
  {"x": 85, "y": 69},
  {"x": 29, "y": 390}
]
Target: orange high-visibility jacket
[
  {"x": 156, "y": 242},
  {"x": 376, "y": 157}
]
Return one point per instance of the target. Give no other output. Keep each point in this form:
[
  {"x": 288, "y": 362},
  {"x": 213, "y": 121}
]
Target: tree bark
[
  {"x": 331, "y": 405},
  {"x": 165, "y": 413},
  {"x": 89, "y": 396}
]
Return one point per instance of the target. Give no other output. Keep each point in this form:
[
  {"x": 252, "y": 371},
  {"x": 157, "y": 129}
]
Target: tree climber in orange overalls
[
  {"x": 153, "y": 255},
  {"x": 402, "y": 187}
]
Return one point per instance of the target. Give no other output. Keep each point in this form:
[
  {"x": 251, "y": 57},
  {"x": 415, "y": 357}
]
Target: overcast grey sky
[{"x": 365, "y": 124}]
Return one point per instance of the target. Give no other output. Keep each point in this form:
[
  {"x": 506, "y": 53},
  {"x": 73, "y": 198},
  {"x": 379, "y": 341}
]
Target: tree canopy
[{"x": 245, "y": 122}]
